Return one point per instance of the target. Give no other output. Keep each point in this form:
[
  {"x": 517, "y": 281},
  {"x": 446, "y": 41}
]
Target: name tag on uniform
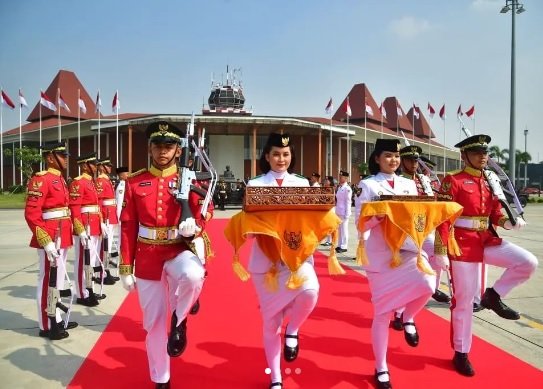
[
  {"x": 148, "y": 183},
  {"x": 469, "y": 182}
]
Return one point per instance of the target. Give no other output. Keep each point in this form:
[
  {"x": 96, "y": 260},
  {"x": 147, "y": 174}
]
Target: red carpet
[{"x": 225, "y": 350}]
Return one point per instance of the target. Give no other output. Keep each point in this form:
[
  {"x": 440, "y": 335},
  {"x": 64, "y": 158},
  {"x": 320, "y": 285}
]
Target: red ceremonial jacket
[
  {"x": 83, "y": 193},
  {"x": 470, "y": 189},
  {"x": 105, "y": 190},
  {"x": 149, "y": 201},
  {"x": 47, "y": 191}
]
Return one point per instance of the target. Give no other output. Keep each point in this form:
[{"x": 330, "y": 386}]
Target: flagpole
[
  {"x": 41, "y": 159},
  {"x": 58, "y": 110},
  {"x": 381, "y": 112},
  {"x": 444, "y": 148},
  {"x": 413, "y": 119},
  {"x": 331, "y": 146},
  {"x": 2, "y": 150},
  {"x": 99, "y": 123},
  {"x": 117, "y": 127},
  {"x": 78, "y": 123},
  {"x": 365, "y": 126}
]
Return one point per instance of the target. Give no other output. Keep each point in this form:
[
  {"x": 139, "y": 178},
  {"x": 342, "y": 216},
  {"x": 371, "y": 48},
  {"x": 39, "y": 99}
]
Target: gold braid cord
[
  {"x": 439, "y": 247},
  {"x": 126, "y": 270},
  {"x": 42, "y": 237},
  {"x": 78, "y": 227}
]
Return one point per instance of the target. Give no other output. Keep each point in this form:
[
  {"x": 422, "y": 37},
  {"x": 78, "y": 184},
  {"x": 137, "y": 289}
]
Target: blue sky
[{"x": 293, "y": 54}]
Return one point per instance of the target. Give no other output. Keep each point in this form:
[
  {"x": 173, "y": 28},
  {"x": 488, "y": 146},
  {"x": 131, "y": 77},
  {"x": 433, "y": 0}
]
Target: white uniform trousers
[
  {"x": 184, "y": 274},
  {"x": 43, "y": 285},
  {"x": 519, "y": 264},
  {"x": 79, "y": 263},
  {"x": 343, "y": 233}
]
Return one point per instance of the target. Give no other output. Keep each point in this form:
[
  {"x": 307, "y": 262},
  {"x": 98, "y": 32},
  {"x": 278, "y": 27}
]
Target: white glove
[
  {"x": 84, "y": 239},
  {"x": 188, "y": 228},
  {"x": 51, "y": 252},
  {"x": 520, "y": 222},
  {"x": 129, "y": 282},
  {"x": 442, "y": 261}
]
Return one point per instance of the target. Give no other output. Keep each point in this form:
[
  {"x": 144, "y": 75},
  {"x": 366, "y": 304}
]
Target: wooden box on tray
[{"x": 275, "y": 198}]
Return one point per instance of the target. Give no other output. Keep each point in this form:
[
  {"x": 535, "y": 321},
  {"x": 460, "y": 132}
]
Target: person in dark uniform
[
  {"x": 475, "y": 233},
  {"x": 48, "y": 217},
  {"x": 222, "y": 194}
]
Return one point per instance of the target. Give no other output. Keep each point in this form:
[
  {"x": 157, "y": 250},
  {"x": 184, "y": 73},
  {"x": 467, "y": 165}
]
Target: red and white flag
[
  {"x": 62, "y": 103},
  {"x": 459, "y": 111},
  {"x": 442, "y": 113},
  {"x": 399, "y": 111},
  {"x": 329, "y": 107},
  {"x": 347, "y": 107},
  {"x": 82, "y": 106},
  {"x": 470, "y": 112},
  {"x": 416, "y": 113},
  {"x": 369, "y": 110},
  {"x": 98, "y": 102},
  {"x": 22, "y": 100},
  {"x": 5, "y": 100},
  {"x": 46, "y": 102},
  {"x": 431, "y": 111},
  {"x": 382, "y": 110},
  {"x": 115, "y": 104}
]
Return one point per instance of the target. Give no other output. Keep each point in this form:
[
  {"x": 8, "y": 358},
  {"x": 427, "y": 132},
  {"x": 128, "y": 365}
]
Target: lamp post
[
  {"x": 516, "y": 8},
  {"x": 525, "y": 160}
]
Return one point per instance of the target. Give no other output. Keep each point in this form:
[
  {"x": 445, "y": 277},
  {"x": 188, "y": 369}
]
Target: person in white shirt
[
  {"x": 314, "y": 179},
  {"x": 344, "y": 196}
]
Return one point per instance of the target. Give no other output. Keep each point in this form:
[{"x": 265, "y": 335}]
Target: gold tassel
[
  {"x": 361, "y": 256},
  {"x": 334, "y": 267},
  {"x": 421, "y": 265},
  {"x": 295, "y": 281},
  {"x": 396, "y": 259},
  {"x": 453, "y": 244},
  {"x": 334, "y": 238},
  {"x": 271, "y": 279},
  {"x": 239, "y": 269}
]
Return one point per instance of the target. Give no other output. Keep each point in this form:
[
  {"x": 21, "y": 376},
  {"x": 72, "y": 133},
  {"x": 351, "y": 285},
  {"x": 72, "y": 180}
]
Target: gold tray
[
  {"x": 406, "y": 198},
  {"x": 273, "y": 198}
]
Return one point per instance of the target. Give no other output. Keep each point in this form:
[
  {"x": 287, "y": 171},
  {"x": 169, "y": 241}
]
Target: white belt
[
  {"x": 472, "y": 223},
  {"x": 56, "y": 214},
  {"x": 109, "y": 202},
  {"x": 90, "y": 209},
  {"x": 158, "y": 234}
]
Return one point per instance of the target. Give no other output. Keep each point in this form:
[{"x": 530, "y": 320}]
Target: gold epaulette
[
  {"x": 42, "y": 173},
  {"x": 454, "y": 172},
  {"x": 137, "y": 173},
  {"x": 78, "y": 177}
]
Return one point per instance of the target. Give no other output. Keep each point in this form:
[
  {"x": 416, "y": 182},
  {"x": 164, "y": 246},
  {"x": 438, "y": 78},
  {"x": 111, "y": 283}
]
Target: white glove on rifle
[
  {"x": 51, "y": 252},
  {"x": 129, "y": 282},
  {"x": 188, "y": 228},
  {"x": 518, "y": 225},
  {"x": 105, "y": 229},
  {"x": 442, "y": 261},
  {"x": 84, "y": 239}
]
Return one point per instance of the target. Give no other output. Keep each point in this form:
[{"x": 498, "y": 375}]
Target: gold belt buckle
[
  {"x": 483, "y": 224},
  {"x": 161, "y": 234}
]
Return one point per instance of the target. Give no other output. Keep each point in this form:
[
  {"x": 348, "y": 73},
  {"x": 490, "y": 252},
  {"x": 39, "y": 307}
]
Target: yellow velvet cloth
[
  {"x": 290, "y": 236},
  {"x": 416, "y": 219}
]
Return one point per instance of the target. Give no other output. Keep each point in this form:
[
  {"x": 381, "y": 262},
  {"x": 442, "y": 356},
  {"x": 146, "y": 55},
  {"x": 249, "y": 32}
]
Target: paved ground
[{"x": 28, "y": 361}]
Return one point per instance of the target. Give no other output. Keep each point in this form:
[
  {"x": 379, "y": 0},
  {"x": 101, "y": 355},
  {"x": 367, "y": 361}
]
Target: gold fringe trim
[
  {"x": 239, "y": 269},
  {"x": 453, "y": 244},
  {"x": 42, "y": 236},
  {"x": 271, "y": 278},
  {"x": 78, "y": 227},
  {"x": 209, "y": 253},
  {"x": 361, "y": 256},
  {"x": 334, "y": 267},
  {"x": 421, "y": 265},
  {"x": 295, "y": 281}
]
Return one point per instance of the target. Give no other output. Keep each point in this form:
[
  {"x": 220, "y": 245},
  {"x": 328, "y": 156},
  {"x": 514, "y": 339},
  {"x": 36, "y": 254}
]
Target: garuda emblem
[
  {"x": 36, "y": 185},
  {"x": 292, "y": 239},
  {"x": 420, "y": 222}
]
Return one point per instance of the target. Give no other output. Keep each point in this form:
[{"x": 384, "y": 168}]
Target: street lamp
[
  {"x": 516, "y": 8},
  {"x": 525, "y": 159}
]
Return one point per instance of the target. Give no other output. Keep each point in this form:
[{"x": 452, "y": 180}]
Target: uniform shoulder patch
[
  {"x": 300, "y": 176},
  {"x": 42, "y": 173},
  {"x": 137, "y": 173},
  {"x": 454, "y": 172},
  {"x": 78, "y": 177},
  {"x": 260, "y": 175}
]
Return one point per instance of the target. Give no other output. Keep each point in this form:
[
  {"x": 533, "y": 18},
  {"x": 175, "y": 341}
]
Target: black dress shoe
[
  {"x": 87, "y": 302},
  {"x": 441, "y": 297},
  {"x": 177, "y": 341},
  {"x": 195, "y": 308},
  {"x": 491, "y": 300},
  {"x": 276, "y": 385},
  {"x": 462, "y": 364},
  {"x": 61, "y": 333},
  {"x": 382, "y": 384},
  {"x": 71, "y": 324},
  {"x": 108, "y": 279},
  {"x": 291, "y": 353},
  {"x": 396, "y": 324},
  {"x": 411, "y": 339},
  {"x": 163, "y": 385},
  {"x": 99, "y": 296},
  {"x": 477, "y": 307}
]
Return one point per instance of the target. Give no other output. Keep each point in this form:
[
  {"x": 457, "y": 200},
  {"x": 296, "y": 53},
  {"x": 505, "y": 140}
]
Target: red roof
[
  {"x": 422, "y": 128},
  {"x": 68, "y": 84},
  {"x": 357, "y": 96},
  {"x": 402, "y": 123}
]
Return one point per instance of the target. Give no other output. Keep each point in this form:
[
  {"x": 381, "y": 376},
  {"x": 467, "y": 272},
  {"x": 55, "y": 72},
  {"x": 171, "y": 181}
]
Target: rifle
[{"x": 499, "y": 184}]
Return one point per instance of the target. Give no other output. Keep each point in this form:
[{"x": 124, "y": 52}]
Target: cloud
[{"x": 408, "y": 27}]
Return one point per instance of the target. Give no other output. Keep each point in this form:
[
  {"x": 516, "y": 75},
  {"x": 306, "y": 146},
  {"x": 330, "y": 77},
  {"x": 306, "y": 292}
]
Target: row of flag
[
  {"x": 48, "y": 103},
  {"x": 346, "y": 108}
]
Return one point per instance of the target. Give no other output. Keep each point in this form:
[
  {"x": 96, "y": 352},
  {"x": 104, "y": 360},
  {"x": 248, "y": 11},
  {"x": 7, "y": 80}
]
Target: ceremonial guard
[
  {"x": 222, "y": 194},
  {"x": 86, "y": 219},
  {"x": 478, "y": 244},
  {"x": 108, "y": 207},
  {"x": 48, "y": 217},
  {"x": 392, "y": 287},
  {"x": 122, "y": 175},
  {"x": 155, "y": 250},
  {"x": 314, "y": 179},
  {"x": 409, "y": 159},
  {"x": 344, "y": 196}
]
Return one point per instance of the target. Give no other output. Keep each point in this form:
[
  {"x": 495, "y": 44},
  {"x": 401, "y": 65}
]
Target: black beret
[
  {"x": 315, "y": 174},
  {"x": 474, "y": 143},
  {"x": 90, "y": 158},
  {"x": 59, "y": 148},
  {"x": 122, "y": 169},
  {"x": 410, "y": 152},
  {"x": 386, "y": 145},
  {"x": 278, "y": 140},
  {"x": 163, "y": 132},
  {"x": 343, "y": 173}
]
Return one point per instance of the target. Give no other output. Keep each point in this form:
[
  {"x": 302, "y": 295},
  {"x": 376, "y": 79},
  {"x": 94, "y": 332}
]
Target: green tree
[
  {"x": 29, "y": 156},
  {"x": 363, "y": 168},
  {"x": 499, "y": 154}
]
